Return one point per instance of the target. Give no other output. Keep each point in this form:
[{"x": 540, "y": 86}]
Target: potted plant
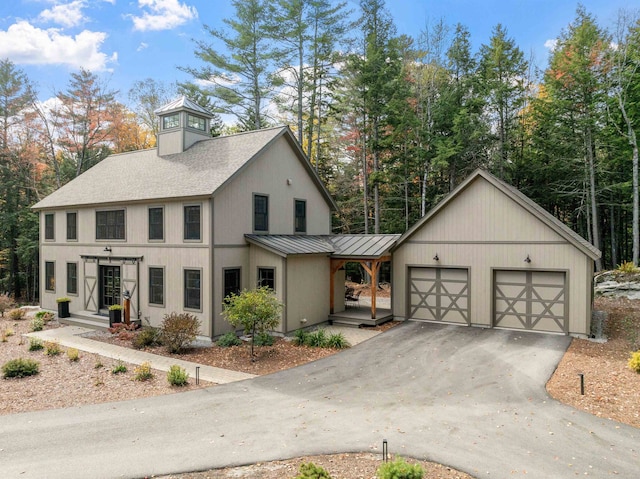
[
  {"x": 115, "y": 314},
  {"x": 63, "y": 307}
]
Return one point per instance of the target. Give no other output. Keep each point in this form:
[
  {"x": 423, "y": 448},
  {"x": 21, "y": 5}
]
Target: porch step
[
  {"x": 357, "y": 322},
  {"x": 87, "y": 320}
]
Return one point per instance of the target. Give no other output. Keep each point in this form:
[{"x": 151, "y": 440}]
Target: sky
[{"x": 124, "y": 41}]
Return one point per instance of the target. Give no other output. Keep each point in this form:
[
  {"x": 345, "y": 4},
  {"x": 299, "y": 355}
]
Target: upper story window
[
  {"x": 156, "y": 224},
  {"x": 171, "y": 121},
  {"x": 72, "y": 226},
  {"x": 260, "y": 213},
  {"x": 49, "y": 227},
  {"x": 192, "y": 222},
  {"x": 110, "y": 225},
  {"x": 196, "y": 122},
  {"x": 300, "y": 216}
]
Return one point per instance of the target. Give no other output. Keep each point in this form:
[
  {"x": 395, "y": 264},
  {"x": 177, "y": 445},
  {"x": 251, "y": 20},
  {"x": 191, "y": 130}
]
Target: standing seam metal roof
[{"x": 339, "y": 246}]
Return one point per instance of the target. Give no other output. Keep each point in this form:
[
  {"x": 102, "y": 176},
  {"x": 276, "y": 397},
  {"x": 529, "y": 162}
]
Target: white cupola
[{"x": 182, "y": 123}]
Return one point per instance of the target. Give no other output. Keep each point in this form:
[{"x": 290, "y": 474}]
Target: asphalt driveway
[{"x": 467, "y": 397}]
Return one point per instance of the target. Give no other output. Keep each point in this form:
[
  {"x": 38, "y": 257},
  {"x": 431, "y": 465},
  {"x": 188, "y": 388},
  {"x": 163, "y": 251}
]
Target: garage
[
  {"x": 439, "y": 294},
  {"x": 487, "y": 256},
  {"x": 530, "y": 300}
]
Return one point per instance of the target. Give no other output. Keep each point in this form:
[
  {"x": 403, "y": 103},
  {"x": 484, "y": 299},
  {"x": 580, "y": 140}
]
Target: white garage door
[
  {"x": 439, "y": 294},
  {"x": 534, "y": 300}
]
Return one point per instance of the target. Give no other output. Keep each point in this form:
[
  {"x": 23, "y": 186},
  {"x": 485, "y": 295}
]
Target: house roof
[
  {"x": 200, "y": 171},
  {"x": 521, "y": 199},
  {"x": 338, "y": 246},
  {"x": 182, "y": 103}
]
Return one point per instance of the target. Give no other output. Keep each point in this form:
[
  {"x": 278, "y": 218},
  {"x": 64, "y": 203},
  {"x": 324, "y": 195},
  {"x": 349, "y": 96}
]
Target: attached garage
[
  {"x": 439, "y": 294},
  {"x": 488, "y": 256}
]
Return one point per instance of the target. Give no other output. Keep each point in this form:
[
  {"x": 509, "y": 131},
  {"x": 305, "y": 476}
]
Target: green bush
[
  {"x": 311, "y": 471},
  {"x": 17, "y": 314},
  {"x": 634, "y": 362},
  {"x": 300, "y": 337},
  {"x": 399, "y": 469},
  {"x": 6, "y": 303},
  {"x": 147, "y": 336},
  {"x": 37, "y": 324},
  {"x": 19, "y": 368},
  {"x": 143, "y": 372},
  {"x": 119, "y": 368},
  {"x": 35, "y": 344},
  {"x": 51, "y": 348},
  {"x": 337, "y": 341},
  {"x": 229, "y": 339},
  {"x": 263, "y": 339},
  {"x": 177, "y": 376},
  {"x": 179, "y": 331},
  {"x": 45, "y": 316},
  {"x": 317, "y": 339}
]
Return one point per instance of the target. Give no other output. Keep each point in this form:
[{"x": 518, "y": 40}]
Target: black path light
[
  {"x": 581, "y": 375},
  {"x": 385, "y": 450}
]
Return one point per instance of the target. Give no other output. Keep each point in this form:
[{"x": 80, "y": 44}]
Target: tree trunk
[{"x": 592, "y": 193}]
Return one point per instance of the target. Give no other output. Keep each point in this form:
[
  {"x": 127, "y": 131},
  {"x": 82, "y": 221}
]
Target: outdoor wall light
[
  {"x": 107, "y": 249},
  {"x": 527, "y": 259},
  {"x": 436, "y": 258}
]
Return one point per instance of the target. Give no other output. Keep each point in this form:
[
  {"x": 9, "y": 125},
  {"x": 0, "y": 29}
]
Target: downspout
[
  {"x": 212, "y": 253},
  {"x": 285, "y": 329}
]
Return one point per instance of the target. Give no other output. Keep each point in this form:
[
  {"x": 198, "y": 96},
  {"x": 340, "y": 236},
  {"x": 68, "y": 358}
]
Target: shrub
[
  {"x": 337, "y": 341},
  {"x": 634, "y": 362},
  {"x": 147, "y": 336},
  {"x": 45, "y": 316},
  {"x": 229, "y": 339},
  {"x": 35, "y": 344},
  {"x": 627, "y": 267},
  {"x": 9, "y": 332},
  {"x": 177, "y": 376},
  {"x": 17, "y": 314},
  {"x": 179, "y": 331},
  {"x": 64, "y": 299},
  {"x": 98, "y": 365},
  {"x": 37, "y": 324},
  {"x": 51, "y": 348},
  {"x": 317, "y": 339},
  {"x": 399, "y": 469},
  {"x": 124, "y": 331},
  {"x": 311, "y": 471},
  {"x": 263, "y": 339},
  {"x": 143, "y": 372},
  {"x": 19, "y": 368},
  {"x": 115, "y": 307},
  {"x": 300, "y": 337},
  {"x": 73, "y": 354},
  {"x": 6, "y": 303},
  {"x": 119, "y": 368}
]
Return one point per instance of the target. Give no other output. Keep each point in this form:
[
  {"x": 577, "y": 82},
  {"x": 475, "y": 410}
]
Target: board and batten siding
[
  {"x": 307, "y": 290},
  {"x": 223, "y": 258},
  {"x": 261, "y": 258},
  {"x": 483, "y": 230},
  {"x": 268, "y": 175}
]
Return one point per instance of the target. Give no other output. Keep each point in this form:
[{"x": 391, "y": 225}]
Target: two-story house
[{"x": 168, "y": 224}]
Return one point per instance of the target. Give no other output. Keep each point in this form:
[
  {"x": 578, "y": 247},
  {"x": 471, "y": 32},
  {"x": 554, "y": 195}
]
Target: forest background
[{"x": 391, "y": 123}]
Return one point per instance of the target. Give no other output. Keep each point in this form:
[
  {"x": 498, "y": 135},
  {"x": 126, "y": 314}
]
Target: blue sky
[{"x": 129, "y": 40}]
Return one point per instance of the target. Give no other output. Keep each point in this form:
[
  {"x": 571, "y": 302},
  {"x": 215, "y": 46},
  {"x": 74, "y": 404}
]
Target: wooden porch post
[
  {"x": 373, "y": 272},
  {"x": 335, "y": 265}
]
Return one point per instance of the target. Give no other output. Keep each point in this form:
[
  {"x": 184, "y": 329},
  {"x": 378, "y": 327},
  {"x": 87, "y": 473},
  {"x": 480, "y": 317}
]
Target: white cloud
[
  {"x": 142, "y": 46},
  {"x": 23, "y": 43},
  {"x": 162, "y": 15},
  {"x": 551, "y": 44},
  {"x": 65, "y": 14}
]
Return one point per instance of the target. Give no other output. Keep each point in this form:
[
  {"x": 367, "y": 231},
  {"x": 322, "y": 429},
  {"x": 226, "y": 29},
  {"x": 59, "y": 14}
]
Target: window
[
  {"x": 231, "y": 281},
  {"x": 49, "y": 228},
  {"x": 260, "y": 213},
  {"x": 192, "y": 222},
  {"x": 192, "y": 289},
  {"x": 156, "y": 224},
  {"x": 156, "y": 286},
  {"x": 267, "y": 277},
  {"x": 72, "y": 226},
  {"x": 110, "y": 225},
  {"x": 170, "y": 121},
  {"x": 196, "y": 122},
  {"x": 300, "y": 216},
  {"x": 72, "y": 278},
  {"x": 49, "y": 276}
]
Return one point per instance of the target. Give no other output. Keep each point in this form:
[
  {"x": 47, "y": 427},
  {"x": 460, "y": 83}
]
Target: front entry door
[{"x": 109, "y": 286}]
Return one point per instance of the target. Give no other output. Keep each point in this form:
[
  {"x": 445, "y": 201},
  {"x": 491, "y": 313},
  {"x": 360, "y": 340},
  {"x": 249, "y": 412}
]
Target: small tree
[{"x": 257, "y": 311}]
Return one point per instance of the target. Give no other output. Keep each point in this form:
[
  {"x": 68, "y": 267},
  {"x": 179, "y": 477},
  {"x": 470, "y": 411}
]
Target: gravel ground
[{"x": 611, "y": 391}]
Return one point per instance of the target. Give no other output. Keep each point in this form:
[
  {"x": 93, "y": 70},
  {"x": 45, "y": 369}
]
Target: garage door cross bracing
[
  {"x": 533, "y": 300},
  {"x": 439, "y": 294}
]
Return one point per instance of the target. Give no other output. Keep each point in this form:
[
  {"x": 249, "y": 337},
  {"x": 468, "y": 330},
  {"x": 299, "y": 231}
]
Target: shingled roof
[{"x": 199, "y": 171}]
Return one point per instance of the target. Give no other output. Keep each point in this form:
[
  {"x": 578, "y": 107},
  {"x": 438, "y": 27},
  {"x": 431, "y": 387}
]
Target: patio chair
[{"x": 352, "y": 300}]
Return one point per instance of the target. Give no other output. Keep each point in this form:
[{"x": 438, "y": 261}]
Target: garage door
[
  {"x": 439, "y": 294},
  {"x": 533, "y": 300}
]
